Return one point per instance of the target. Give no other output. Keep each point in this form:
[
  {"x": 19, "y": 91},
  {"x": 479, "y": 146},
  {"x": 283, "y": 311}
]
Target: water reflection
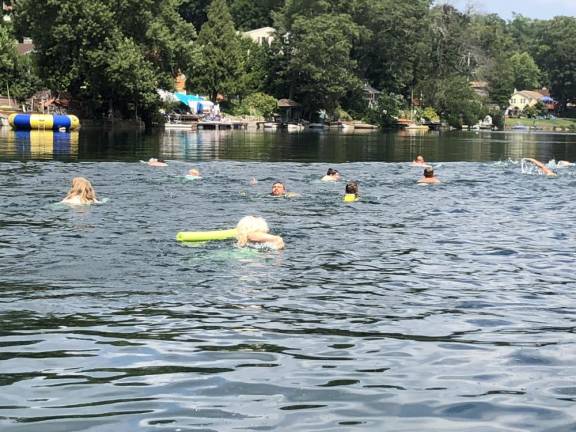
[{"x": 38, "y": 144}]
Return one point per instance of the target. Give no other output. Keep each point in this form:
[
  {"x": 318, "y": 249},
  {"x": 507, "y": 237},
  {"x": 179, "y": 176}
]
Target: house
[
  {"x": 370, "y": 95},
  {"x": 262, "y": 36},
  {"x": 480, "y": 88},
  {"x": 25, "y": 47},
  {"x": 527, "y": 98}
]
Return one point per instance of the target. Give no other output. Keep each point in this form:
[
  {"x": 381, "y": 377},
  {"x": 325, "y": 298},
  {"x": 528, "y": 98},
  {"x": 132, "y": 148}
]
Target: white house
[{"x": 261, "y": 36}]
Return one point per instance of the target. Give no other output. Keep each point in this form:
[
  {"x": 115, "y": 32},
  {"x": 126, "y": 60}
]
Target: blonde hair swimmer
[
  {"x": 253, "y": 231},
  {"x": 81, "y": 193},
  {"x": 193, "y": 173},
  {"x": 156, "y": 162}
]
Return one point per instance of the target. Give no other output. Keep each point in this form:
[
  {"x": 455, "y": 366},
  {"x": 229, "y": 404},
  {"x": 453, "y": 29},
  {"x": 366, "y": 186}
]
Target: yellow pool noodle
[{"x": 197, "y": 236}]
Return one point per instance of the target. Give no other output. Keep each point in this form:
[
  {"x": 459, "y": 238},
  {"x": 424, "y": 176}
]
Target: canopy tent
[{"x": 547, "y": 99}]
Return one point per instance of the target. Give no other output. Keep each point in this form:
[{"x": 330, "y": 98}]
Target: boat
[
  {"x": 416, "y": 126},
  {"x": 181, "y": 125},
  {"x": 294, "y": 127},
  {"x": 270, "y": 125},
  {"x": 316, "y": 125}
]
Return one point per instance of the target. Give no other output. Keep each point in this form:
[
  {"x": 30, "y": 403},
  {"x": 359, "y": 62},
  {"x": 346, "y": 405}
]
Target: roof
[
  {"x": 287, "y": 103},
  {"x": 260, "y": 30},
  {"x": 529, "y": 94},
  {"x": 24, "y": 48},
  {"x": 369, "y": 89}
]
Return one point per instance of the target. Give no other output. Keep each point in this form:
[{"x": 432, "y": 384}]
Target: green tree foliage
[
  {"x": 113, "y": 54},
  {"x": 221, "y": 66},
  {"x": 321, "y": 60},
  {"x": 253, "y": 14},
  {"x": 392, "y": 41},
  {"x": 386, "y": 110},
  {"x": 501, "y": 81},
  {"x": 556, "y": 54},
  {"x": 526, "y": 72},
  {"x": 17, "y": 72},
  {"x": 454, "y": 99},
  {"x": 258, "y": 104},
  {"x": 194, "y": 11}
]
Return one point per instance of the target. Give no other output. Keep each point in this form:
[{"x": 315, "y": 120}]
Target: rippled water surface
[{"x": 437, "y": 308}]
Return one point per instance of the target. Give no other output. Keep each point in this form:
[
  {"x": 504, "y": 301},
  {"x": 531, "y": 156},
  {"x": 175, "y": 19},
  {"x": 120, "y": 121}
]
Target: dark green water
[{"x": 448, "y": 307}]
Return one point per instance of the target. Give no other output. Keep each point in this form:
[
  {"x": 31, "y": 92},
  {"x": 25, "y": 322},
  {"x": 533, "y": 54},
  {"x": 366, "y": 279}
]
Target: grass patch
[{"x": 558, "y": 123}]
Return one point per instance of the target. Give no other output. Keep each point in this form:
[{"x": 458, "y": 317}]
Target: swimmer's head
[
  {"x": 428, "y": 172},
  {"x": 249, "y": 225},
  {"x": 352, "y": 187},
  {"x": 82, "y": 188},
  {"x": 194, "y": 172},
  {"x": 419, "y": 159},
  {"x": 333, "y": 173},
  {"x": 278, "y": 189}
]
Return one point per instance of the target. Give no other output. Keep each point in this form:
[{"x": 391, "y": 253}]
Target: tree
[
  {"x": 314, "y": 58},
  {"x": 221, "y": 64},
  {"x": 454, "y": 99},
  {"x": 556, "y": 54},
  {"x": 501, "y": 81},
  {"x": 253, "y": 14},
  {"x": 17, "y": 72},
  {"x": 112, "y": 54},
  {"x": 526, "y": 72}
]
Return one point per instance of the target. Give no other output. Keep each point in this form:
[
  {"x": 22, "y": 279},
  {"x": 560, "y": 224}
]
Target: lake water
[{"x": 438, "y": 308}]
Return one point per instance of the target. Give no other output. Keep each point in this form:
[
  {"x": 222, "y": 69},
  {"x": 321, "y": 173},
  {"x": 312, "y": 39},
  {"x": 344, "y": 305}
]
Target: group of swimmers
[{"x": 254, "y": 231}]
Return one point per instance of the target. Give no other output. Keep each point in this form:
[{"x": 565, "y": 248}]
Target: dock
[{"x": 220, "y": 125}]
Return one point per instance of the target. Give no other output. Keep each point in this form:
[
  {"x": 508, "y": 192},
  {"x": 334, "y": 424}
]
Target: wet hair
[
  {"x": 419, "y": 156},
  {"x": 248, "y": 225},
  {"x": 428, "y": 172},
  {"x": 82, "y": 188},
  {"x": 332, "y": 172},
  {"x": 352, "y": 187}
]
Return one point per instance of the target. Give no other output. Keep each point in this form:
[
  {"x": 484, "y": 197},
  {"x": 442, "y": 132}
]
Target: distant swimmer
[
  {"x": 542, "y": 169},
  {"x": 253, "y": 181},
  {"x": 419, "y": 161},
  {"x": 279, "y": 190},
  {"x": 193, "y": 173},
  {"x": 252, "y": 231},
  {"x": 331, "y": 176},
  {"x": 81, "y": 193},
  {"x": 429, "y": 177},
  {"x": 156, "y": 162},
  {"x": 351, "y": 192}
]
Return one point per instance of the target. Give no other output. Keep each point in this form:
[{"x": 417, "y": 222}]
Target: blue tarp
[
  {"x": 547, "y": 99},
  {"x": 186, "y": 99}
]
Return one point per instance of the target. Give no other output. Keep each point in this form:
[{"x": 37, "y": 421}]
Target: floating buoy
[{"x": 20, "y": 121}]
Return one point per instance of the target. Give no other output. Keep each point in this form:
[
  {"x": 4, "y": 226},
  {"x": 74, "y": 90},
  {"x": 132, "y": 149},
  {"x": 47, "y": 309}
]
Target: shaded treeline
[{"x": 110, "y": 56}]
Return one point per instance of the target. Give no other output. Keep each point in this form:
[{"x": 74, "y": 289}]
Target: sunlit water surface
[{"x": 438, "y": 308}]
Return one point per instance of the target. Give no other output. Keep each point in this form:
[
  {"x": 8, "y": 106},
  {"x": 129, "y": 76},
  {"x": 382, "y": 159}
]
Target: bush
[{"x": 257, "y": 104}]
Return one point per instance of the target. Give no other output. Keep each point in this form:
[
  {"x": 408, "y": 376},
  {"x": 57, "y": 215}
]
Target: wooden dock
[{"x": 220, "y": 125}]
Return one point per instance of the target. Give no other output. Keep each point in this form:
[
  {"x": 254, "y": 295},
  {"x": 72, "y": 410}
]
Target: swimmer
[
  {"x": 429, "y": 177},
  {"x": 193, "y": 174},
  {"x": 81, "y": 193},
  {"x": 419, "y": 161},
  {"x": 279, "y": 190},
  {"x": 331, "y": 176},
  {"x": 253, "y": 181},
  {"x": 253, "y": 231},
  {"x": 542, "y": 168},
  {"x": 156, "y": 162},
  {"x": 351, "y": 192},
  {"x": 564, "y": 164}
]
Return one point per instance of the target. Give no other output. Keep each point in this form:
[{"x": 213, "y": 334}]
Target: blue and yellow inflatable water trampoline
[{"x": 43, "y": 122}]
